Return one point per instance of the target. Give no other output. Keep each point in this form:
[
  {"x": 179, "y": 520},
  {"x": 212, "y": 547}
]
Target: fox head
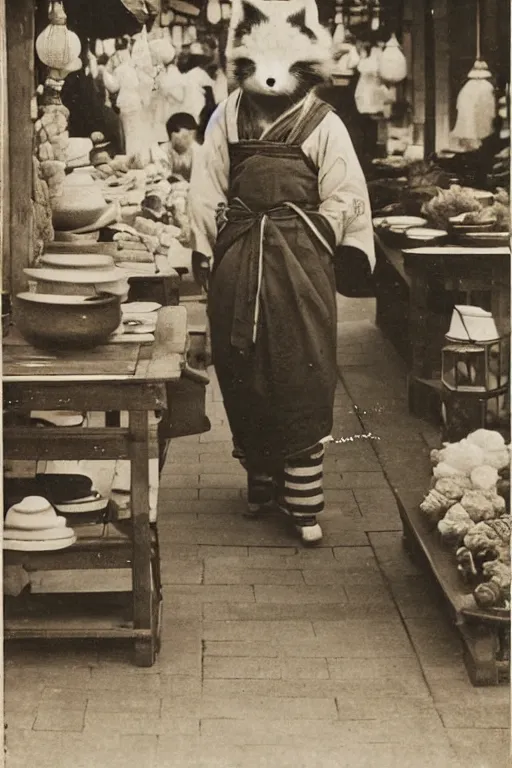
[{"x": 277, "y": 47}]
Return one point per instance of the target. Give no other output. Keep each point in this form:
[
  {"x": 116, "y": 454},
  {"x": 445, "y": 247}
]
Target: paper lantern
[
  {"x": 393, "y": 64},
  {"x": 226, "y": 10},
  {"x": 57, "y": 46}
]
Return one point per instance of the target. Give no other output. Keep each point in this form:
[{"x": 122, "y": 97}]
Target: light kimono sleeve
[
  {"x": 341, "y": 184},
  {"x": 209, "y": 183}
]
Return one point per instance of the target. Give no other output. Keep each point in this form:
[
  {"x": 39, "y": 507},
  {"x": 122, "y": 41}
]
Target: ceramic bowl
[
  {"x": 92, "y": 503},
  {"x": 460, "y": 226},
  {"x": 66, "y": 322},
  {"x": 398, "y": 223},
  {"x": 419, "y": 237},
  {"x": 73, "y": 237}
]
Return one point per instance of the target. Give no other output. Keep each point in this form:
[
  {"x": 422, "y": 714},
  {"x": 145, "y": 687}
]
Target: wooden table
[
  {"x": 416, "y": 292},
  {"x": 128, "y": 377}
]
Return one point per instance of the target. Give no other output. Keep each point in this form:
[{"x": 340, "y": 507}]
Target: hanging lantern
[
  {"x": 375, "y": 22},
  {"x": 475, "y": 374},
  {"x": 476, "y": 102},
  {"x": 226, "y": 9},
  {"x": 213, "y": 12},
  {"x": 393, "y": 64},
  {"x": 57, "y": 46}
]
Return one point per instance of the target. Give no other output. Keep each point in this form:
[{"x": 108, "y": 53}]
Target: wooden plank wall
[{"x": 20, "y": 62}]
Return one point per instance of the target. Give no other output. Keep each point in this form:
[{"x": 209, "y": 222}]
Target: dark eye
[
  {"x": 305, "y": 68},
  {"x": 244, "y": 67}
]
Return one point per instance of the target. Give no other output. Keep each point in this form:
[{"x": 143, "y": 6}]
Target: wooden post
[
  {"x": 442, "y": 75},
  {"x": 20, "y": 78},
  {"x": 430, "y": 80},
  {"x": 4, "y": 159}
]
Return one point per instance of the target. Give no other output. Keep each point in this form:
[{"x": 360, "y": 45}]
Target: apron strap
[{"x": 313, "y": 112}]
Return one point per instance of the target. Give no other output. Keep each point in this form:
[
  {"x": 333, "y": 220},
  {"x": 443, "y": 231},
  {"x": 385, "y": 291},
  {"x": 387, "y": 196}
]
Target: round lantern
[
  {"x": 56, "y": 46},
  {"x": 393, "y": 64}
]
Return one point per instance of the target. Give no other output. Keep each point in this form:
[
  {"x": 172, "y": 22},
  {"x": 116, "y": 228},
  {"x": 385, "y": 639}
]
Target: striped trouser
[
  {"x": 298, "y": 486},
  {"x": 302, "y": 489}
]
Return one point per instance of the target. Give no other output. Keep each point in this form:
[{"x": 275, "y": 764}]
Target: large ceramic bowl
[{"x": 66, "y": 322}]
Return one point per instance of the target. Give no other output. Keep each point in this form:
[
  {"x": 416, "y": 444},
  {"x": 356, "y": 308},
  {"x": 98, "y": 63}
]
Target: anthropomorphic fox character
[{"x": 279, "y": 187}]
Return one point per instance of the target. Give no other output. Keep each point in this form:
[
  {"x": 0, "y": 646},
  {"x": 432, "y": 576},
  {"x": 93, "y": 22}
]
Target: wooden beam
[
  {"x": 20, "y": 78},
  {"x": 430, "y": 79}
]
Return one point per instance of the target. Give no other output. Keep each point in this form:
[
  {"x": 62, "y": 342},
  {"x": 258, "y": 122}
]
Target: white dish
[
  {"x": 53, "y": 298},
  {"x": 399, "y": 223},
  {"x": 92, "y": 503},
  {"x": 38, "y": 546},
  {"x": 136, "y": 307},
  {"x": 138, "y": 327},
  {"x": 75, "y": 276},
  {"x": 425, "y": 233},
  {"x": 77, "y": 261}
]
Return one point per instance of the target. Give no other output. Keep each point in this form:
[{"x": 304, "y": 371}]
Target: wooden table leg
[{"x": 143, "y": 593}]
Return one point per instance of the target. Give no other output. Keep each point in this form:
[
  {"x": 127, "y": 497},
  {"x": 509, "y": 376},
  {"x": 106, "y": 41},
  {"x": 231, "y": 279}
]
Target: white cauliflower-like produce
[
  {"x": 498, "y": 459},
  {"x": 445, "y": 470},
  {"x": 456, "y": 523},
  {"x": 434, "y": 505},
  {"x": 477, "y": 506},
  {"x": 463, "y": 456},
  {"x": 487, "y": 439},
  {"x": 484, "y": 477},
  {"x": 498, "y": 502},
  {"x": 453, "y": 487}
]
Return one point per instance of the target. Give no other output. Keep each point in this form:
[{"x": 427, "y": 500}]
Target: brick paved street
[{"x": 274, "y": 656}]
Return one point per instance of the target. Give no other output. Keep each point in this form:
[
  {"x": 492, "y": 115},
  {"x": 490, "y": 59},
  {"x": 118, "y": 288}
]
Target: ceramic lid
[
  {"x": 77, "y": 260},
  {"x": 80, "y": 276}
]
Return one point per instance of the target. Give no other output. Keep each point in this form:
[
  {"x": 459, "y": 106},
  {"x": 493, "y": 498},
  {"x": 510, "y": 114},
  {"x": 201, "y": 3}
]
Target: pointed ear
[
  {"x": 306, "y": 19},
  {"x": 250, "y": 14}
]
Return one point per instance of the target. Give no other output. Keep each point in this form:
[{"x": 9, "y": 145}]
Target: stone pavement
[{"x": 274, "y": 656}]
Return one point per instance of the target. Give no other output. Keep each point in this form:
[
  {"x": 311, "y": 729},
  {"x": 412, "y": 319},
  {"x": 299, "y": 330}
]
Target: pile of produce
[
  {"x": 469, "y": 504},
  {"x": 458, "y": 200},
  {"x": 421, "y": 181}
]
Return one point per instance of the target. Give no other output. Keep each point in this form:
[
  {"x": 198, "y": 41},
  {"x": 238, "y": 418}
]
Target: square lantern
[
  {"x": 477, "y": 367},
  {"x": 475, "y": 374}
]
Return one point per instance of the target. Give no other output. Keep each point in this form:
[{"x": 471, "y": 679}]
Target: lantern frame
[{"x": 476, "y": 366}]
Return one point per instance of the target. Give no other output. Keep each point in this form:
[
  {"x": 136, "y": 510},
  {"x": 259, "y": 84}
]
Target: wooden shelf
[
  {"x": 485, "y": 635},
  {"x": 75, "y": 443}
]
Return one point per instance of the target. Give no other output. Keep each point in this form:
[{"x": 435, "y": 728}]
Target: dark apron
[{"x": 272, "y": 304}]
